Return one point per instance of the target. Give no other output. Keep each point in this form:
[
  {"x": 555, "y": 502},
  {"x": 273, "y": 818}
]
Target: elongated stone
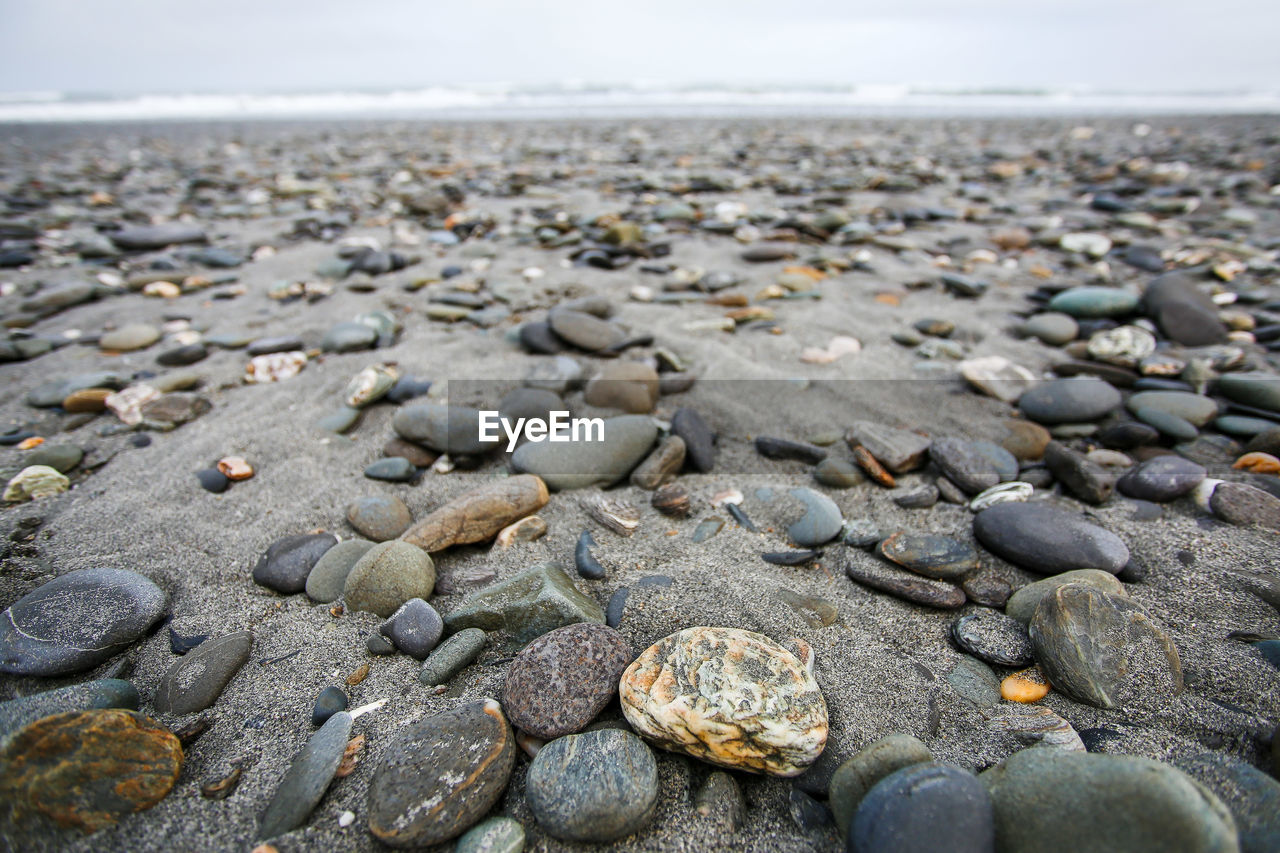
[
  {"x": 307, "y": 778},
  {"x": 103, "y": 693},
  {"x": 478, "y": 515},
  {"x": 196, "y": 680}
]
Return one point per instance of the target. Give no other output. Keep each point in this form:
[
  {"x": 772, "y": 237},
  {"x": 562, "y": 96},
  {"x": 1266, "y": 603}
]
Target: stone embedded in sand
[
  {"x": 1245, "y": 505},
  {"x": 901, "y": 583},
  {"x": 1029, "y": 685},
  {"x": 584, "y": 330},
  {"x": 526, "y": 606},
  {"x": 1022, "y": 604},
  {"x": 855, "y": 777},
  {"x": 662, "y": 464},
  {"x": 1047, "y": 539},
  {"x": 993, "y": 637},
  {"x": 452, "y": 656},
  {"x": 441, "y": 775},
  {"x": 388, "y": 575},
  {"x": 379, "y": 517},
  {"x": 287, "y": 562},
  {"x": 35, "y": 481},
  {"x": 196, "y": 680},
  {"x": 580, "y": 464},
  {"x": 1036, "y": 725},
  {"x": 102, "y": 693},
  {"x": 997, "y": 376},
  {"x": 938, "y": 557},
  {"x": 447, "y": 429},
  {"x": 563, "y": 679},
  {"x": 370, "y": 385},
  {"x": 730, "y": 697},
  {"x": 86, "y": 770},
  {"x": 899, "y": 450},
  {"x": 479, "y": 514},
  {"x": 275, "y": 367},
  {"x": 527, "y": 529},
  {"x": 924, "y": 807},
  {"x": 133, "y": 336},
  {"x": 307, "y": 778}
]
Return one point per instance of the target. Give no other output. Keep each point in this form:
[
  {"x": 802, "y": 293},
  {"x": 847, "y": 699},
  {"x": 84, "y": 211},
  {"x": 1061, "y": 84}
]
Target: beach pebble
[
  {"x": 287, "y": 562},
  {"x": 898, "y": 450},
  {"x": 441, "y": 775},
  {"x": 975, "y": 682},
  {"x": 720, "y": 800},
  {"x": 584, "y": 330},
  {"x": 1052, "y": 327},
  {"x": 938, "y": 557},
  {"x": 395, "y": 469},
  {"x": 196, "y": 681},
  {"x": 1022, "y": 604},
  {"x": 35, "y": 482},
  {"x": 1086, "y": 480},
  {"x": 1048, "y": 540},
  {"x": 134, "y": 336},
  {"x": 1161, "y": 478},
  {"x": 1103, "y": 649},
  {"x": 537, "y": 337},
  {"x": 784, "y": 448},
  {"x": 76, "y": 621},
  {"x": 526, "y": 606},
  {"x": 331, "y": 700},
  {"x": 420, "y": 456},
  {"x": 595, "y": 787},
  {"x": 1070, "y": 400},
  {"x": 447, "y": 429},
  {"x": 903, "y": 584},
  {"x": 1133, "y": 804},
  {"x": 627, "y": 385},
  {"x": 1026, "y": 440},
  {"x": 581, "y": 464},
  {"x": 1036, "y": 725},
  {"x": 987, "y": 588},
  {"x": 838, "y": 473},
  {"x": 562, "y": 680},
  {"x": 1183, "y": 312},
  {"x": 370, "y": 385},
  {"x": 213, "y": 480},
  {"x": 414, "y": 628},
  {"x": 997, "y": 376},
  {"x": 1026, "y": 686},
  {"x": 479, "y": 514},
  {"x": 527, "y": 529},
  {"x": 1259, "y": 390},
  {"x": 922, "y": 496},
  {"x": 1245, "y": 505},
  {"x": 1013, "y": 491},
  {"x": 964, "y": 464},
  {"x": 993, "y": 637},
  {"x": 60, "y": 457},
  {"x": 452, "y": 656},
  {"x": 924, "y": 807},
  {"x": 326, "y": 579},
  {"x": 1252, "y": 796},
  {"x": 379, "y": 517},
  {"x": 729, "y": 697},
  {"x": 308, "y": 777},
  {"x": 349, "y": 336},
  {"x": 699, "y": 440},
  {"x": 821, "y": 520},
  {"x": 143, "y": 237},
  {"x": 495, "y": 835},
  {"x": 858, "y": 775},
  {"x": 661, "y": 465},
  {"x": 388, "y": 575},
  {"x": 1092, "y": 301},
  {"x": 1192, "y": 408},
  {"x": 88, "y": 695}
]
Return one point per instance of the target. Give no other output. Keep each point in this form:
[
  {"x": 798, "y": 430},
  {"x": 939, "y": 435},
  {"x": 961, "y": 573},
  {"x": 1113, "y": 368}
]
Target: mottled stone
[
  {"x": 478, "y": 514},
  {"x": 441, "y": 775},
  {"x": 1022, "y": 604},
  {"x": 993, "y": 637},
  {"x": 388, "y": 575},
  {"x": 495, "y": 835},
  {"x": 1245, "y": 505},
  {"x": 924, "y": 807},
  {"x": 729, "y": 697},
  {"x": 526, "y": 606},
  {"x": 964, "y": 464},
  {"x": 974, "y": 681},
  {"x": 1252, "y": 796},
  {"x": 661, "y": 465},
  {"x": 597, "y": 787},
  {"x": 1047, "y": 539},
  {"x": 562, "y": 680},
  {"x": 939, "y": 557},
  {"x": 195, "y": 681}
]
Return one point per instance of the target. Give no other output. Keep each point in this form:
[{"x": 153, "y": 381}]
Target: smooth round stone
[
  {"x": 994, "y": 637},
  {"x": 349, "y": 336},
  {"x": 855, "y": 777},
  {"x": 55, "y": 391},
  {"x": 821, "y": 521},
  {"x": 1162, "y": 478},
  {"x": 183, "y": 355},
  {"x": 699, "y": 440},
  {"x": 1053, "y": 328},
  {"x": 1173, "y": 426},
  {"x": 838, "y": 473},
  {"x": 1070, "y": 400},
  {"x": 77, "y": 621},
  {"x": 974, "y": 681},
  {"x": 308, "y": 777},
  {"x": 1083, "y": 478},
  {"x": 964, "y": 464},
  {"x": 583, "y": 330},
  {"x": 1005, "y": 463},
  {"x": 83, "y": 770},
  {"x": 1133, "y": 804},
  {"x": 537, "y": 337},
  {"x": 1048, "y": 540},
  {"x": 1026, "y": 440},
  {"x": 495, "y": 835},
  {"x": 213, "y": 480},
  {"x": 266, "y": 346},
  {"x": 340, "y": 420},
  {"x": 1103, "y": 649},
  {"x": 388, "y": 575},
  {"x": 327, "y": 578},
  {"x": 394, "y": 469},
  {"x": 598, "y": 786},
  {"x": 197, "y": 679},
  {"x": 141, "y": 237},
  {"x": 562, "y": 680},
  {"x": 1245, "y": 505},
  {"x": 330, "y": 701},
  {"x": 1090, "y": 302},
  {"x": 134, "y": 336},
  {"x": 1182, "y": 404},
  {"x": 1022, "y": 604},
  {"x": 60, "y": 457},
  {"x": 407, "y": 388},
  {"x": 580, "y": 464},
  {"x": 287, "y": 562},
  {"x": 452, "y": 656},
  {"x": 89, "y": 695},
  {"x": 925, "y": 807},
  {"x": 1260, "y": 390},
  {"x": 627, "y": 385},
  {"x": 441, "y": 775},
  {"x": 729, "y": 697},
  {"x": 447, "y": 429},
  {"x": 1252, "y": 796},
  {"x": 1127, "y": 435},
  {"x": 919, "y": 497},
  {"x": 1242, "y": 425},
  {"x": 933, "y": 556},
  {"x": 987, "y": 588},
  {"x": 379, "y": 645},
  {"x": 379, "y": 517},
  {"x": 414, "y": 628},
  {"x": 530, "y": 403}
]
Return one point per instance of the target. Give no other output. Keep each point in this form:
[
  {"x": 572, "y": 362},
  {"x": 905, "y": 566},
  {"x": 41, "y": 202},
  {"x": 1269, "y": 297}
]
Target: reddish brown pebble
[
  {"x": 235, "y": 468},
  {"x": 361, "y": 673},
  {"x": 350, "y": 757},
  {"x": 88, "y": 400},
  {"x": 872, "y": 466}
]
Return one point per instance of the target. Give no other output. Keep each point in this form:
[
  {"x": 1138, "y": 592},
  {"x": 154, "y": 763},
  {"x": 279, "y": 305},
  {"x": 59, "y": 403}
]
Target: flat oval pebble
[
  {"x": 993, "y": 637},
  {"x": 327, "y": 578},
  {"x": 598, "y": 786},
  {"x": 938, "y": 557},
  {"x": 1091, "y": 301},
  {"x": 1048, "y": 540},
  {"x": 1245, "y": 505},
  {"x": 1071, "y": 400},
  {"x": 974, "y": 681},
  {"x": 727, "y": 696},
  {"x": 379, "y": 517},
  {"x": 287, "y": 562},
  {"x": 821, "y": 521},
  {"x": 579, "y": 464},
  {"x": 903, "y": 584},
  {"x": 495, "y": 835},
  {"x": 395, "y": 469},
  {"x": 452, "y": 656},
  {"x": 388, "y": 575},
  {"x": 414, "y": 628},
  {"x": 441, "y": 775},
  {"x": 448, "y": 429},
  {"x": 1162, "y": 478},
  {"x": 924, "y": 807},
  {"x": 562, "y": 680},
  {"x": 195, "y": 681},
  {"x": 308, "y": 777},
  {"x": 77, "y": 621}
]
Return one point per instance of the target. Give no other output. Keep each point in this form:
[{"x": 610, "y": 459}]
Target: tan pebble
[
  {"x": 361, "y": 673},
  {"x": 478, "y": 515},
  {"x": 235, "y": 468},
  {"x": 350, "y": 757},
  {"x": 162, "y": 289},
  {"x": 88, "y": 400},
  {"x": 1029, "y": 685},
  {"x": 525, "y": 530},
  {"x": 1258, "y": 463},
  {"x": 28, "y": 443}
]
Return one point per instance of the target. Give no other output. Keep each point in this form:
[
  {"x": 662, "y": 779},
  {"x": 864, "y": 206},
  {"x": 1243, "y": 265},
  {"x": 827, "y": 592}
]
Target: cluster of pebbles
[{"x": 541, "y": 654}]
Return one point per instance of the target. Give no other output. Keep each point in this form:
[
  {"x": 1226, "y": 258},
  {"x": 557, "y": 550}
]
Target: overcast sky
[{"x": 122, "y": 46}]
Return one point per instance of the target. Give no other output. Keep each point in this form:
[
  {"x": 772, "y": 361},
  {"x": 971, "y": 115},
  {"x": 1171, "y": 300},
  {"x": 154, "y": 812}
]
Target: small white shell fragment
[
  {"x": 346, "y": 819},
  {"x": 275, "y": 367},
  {"x": 728, "y": 496},
  {"x": 1203, "y": 492},
  {"x": 1015, "y": 490}
]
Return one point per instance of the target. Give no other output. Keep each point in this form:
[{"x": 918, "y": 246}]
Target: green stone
[
  {"x": 853, "y": 779},
  {"x": 526, "y": 606},
  {"x": 1095, "y": 302},
  {"x": 495, "y": 835}
]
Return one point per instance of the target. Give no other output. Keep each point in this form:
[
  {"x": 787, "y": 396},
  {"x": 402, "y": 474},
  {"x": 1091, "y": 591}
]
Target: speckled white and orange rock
[{"x": 730, "y": 697}]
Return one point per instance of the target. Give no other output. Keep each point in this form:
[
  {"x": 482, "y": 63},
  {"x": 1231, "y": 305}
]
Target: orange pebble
[
  {"x": 888, "y": 298},
  {"x": 28, "y": 443},
  {"x": 1029, "y": 685},
  {"x": 235, "y": 468},
  {"x": 1258, "y": 463}
]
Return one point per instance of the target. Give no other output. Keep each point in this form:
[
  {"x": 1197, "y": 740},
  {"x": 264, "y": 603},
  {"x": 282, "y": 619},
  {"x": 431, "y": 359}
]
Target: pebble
[
  {"x": 196, "y": 681},
  {"x": 839, "y": 473},
  {"x": 1133, "y": 804},
  {"x": 1252, "y": 796},
  {"x": 784, "y": 448},
  {"x": 924, "y": 807},
  {"x": 308, "y": 777},
  {"x": 452, "y": 656},
  {"x": 235, "y": 468},
  {"x": 447, "y": 429},
  {"x": 134, "y": 336},
  {"x": 1189, "y": 407},
  {"x": 144, "y": 237},
  {"x": 527, "y": 529},
  {"x": 213, "y": 480},
  {"x": 418, "y": 455},
  {"x": 414, "y": 628},
  {"x": 1259, "y": 390},
  {"x": 975, "y": 682},
  {"x": 1092, "y": 301},
  {"x": 1022, "y": 604},
  {"x": 661, "y": 465},
  {"x": 529, "y": 403},
  {"x": 349, "y": 336},
  {"x": 327, "y": 578},
  {"x": 75, "y": 622},
  {"x": 370, "y": 385},
  {"x": 1026, "y": 440},
  {"x": 729, "y": 697},
  {"x": 272, "y": 368},
  {"x": 526, "y": 606},
  {"x": 287, "y": 562},
  {"x": 1070, "y": 400},
  {"x": 627, "y": 385},
  {"x": 441, "y": 775},
  {"x": 898, "y": 450},
  {"x": 1256, "y": 463},
  {"x": 1084, "y": 479},
  {"x": 379, "y": 645},
  {"x": 395, "y": 469},
  {"x": 993, "y": 637},
  {"x": 581, "y": 464},
  {"x": 938, "y": 557},
  {"x": 1124, "y": 346},
  {"x": 379, "y": 517},
  {"x": 563, "y": 679},
  {"x": 1048, "y": 540},
  {"x": 903, "y": 584},
  {"x": 388, "y": 575},
  {"x": 821, "y": 521},
  {"x": 699, "y": 440},
  {"x": 331, "y": 700},
  {"x": 998, "y": 377},
  {"x": 917, "y": 497},
  {"x": 495, "y": 835},
  {"x": 1103, "y": 649},
  {"x": 594, "y": 787},
  {"x": 35, "y": 482},
  {"x": 1026, "y": 686},
  {"x": 86, "y": 400},
  {"x": 1161, "y": 478},
  {"x": 858, "y": 775},
  {"x": 1245, "y": 505},
  {"x": 537, "y": 337},
  {"x": 1182, "y": 311},
  {"x": 1179, "y": 429},
  {"x": 1053, "y": 328},
  {"x": 584, "y": 561},
  {"x": 584, "y": 330},
  {"x": 987, "y": 588},
  {"x": 479, "y": 514},
  {"x": 720, "y": 799},
  {"x": 89, "y": 695},
  {"x": 1036, "y": 725},
  {"x": 964, "y": 464},
  {"x": 183, "y": 355},
  {"x": 83, "y": 770}
]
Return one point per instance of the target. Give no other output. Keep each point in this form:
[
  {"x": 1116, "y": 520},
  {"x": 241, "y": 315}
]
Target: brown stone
[
  {"x": 626, "y": 385},
  {"x": 661, "y": 465},
  {"x": 418, "y": 455},
  {"x": 478, "y": 515},
  {"x": 1026, "y": 440},
  {"x": 85, "y": 770},
  {"x": 87, "y": 400},
  {"x": 872, "y": 466}
]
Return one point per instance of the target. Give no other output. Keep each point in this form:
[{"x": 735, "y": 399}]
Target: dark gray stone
[
  {"x": 330, "y": 701},
  {"x": 963, "y": 464},
  {"x": 452, "y": 656},
  {"x": 1160, "y": 479},
  {"x": 1252, "y": 796},
  {"x": 939, "y": 557},
  {"x": 415, "y": 628},
  {"x": 924, "y": 807},
  {"x": 287, "y": 562},
  {"x": 699, "y": 440},
  {"x": 855, "y": 777},
  {"x": 394, "y": 469},
  {"x": 1070, "y": 400},
  {"x": 994, "y": 637},
  {"x": 195, "y": 682},
  {"x": 1085, "y": 479},
  {"x": 1048, "y": 540},
  {"x": 307, "y": 778}
]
